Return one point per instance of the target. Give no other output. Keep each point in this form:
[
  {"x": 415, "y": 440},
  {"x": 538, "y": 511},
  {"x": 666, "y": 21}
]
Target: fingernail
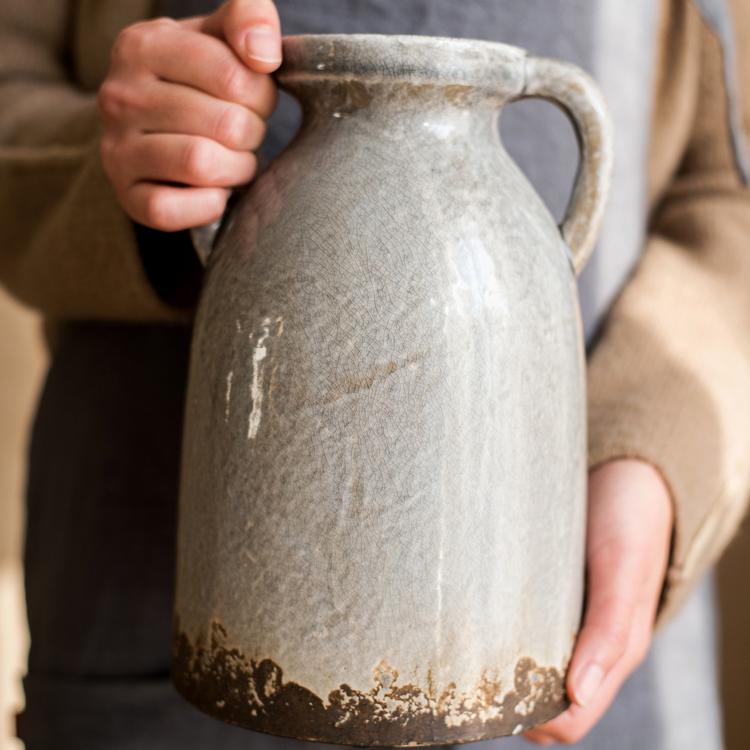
[
  {"x": 263, "y": 43},
  {"x": 588, "y": 683}
]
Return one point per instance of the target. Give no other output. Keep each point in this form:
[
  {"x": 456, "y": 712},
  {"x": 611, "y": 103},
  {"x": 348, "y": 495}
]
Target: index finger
[
  {"x": 253, "y": 30},
  {"x": 179, "y": 55}
]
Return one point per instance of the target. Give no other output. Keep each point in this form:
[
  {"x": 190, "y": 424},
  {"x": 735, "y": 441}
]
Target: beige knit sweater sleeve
[
  {"x": 66, "y": 247},
  {"x": 669, "y": 381}
]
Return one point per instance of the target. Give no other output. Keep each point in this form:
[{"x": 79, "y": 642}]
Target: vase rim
[{"x": 404, "y": 57}]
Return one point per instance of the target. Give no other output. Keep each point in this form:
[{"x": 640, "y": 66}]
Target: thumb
[
  {"x": 252, "y": 29},
  {"x": 612, "y": 602}
]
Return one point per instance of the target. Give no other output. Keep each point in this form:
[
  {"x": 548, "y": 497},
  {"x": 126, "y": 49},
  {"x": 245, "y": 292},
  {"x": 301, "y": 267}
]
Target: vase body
[{"x": 383, "y": 489}]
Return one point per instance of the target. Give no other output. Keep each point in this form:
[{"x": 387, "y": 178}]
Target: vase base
[{"x": 218, "y": 679}]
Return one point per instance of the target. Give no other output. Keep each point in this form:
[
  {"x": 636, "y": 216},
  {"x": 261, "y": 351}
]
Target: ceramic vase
[{"x": 383, "y": 490}]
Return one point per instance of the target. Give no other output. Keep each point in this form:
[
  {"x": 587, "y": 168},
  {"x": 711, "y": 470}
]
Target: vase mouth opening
[{"x": 492, "y": 67}]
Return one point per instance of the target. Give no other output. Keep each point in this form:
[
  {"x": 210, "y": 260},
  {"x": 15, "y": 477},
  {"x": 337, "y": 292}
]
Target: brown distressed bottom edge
[{"x": 218, "y": 679}]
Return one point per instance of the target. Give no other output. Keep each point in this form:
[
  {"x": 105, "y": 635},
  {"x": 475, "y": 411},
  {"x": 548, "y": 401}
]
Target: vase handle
[
  {"x": 204, "y": 239},
  {"x": 568, "y": 87}
]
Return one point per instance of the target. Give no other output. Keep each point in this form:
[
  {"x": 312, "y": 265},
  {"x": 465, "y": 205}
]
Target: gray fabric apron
[{"x": 99, "y": 657}]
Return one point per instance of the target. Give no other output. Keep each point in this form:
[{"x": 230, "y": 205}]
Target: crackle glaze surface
[{"x": 383, "y": 488}]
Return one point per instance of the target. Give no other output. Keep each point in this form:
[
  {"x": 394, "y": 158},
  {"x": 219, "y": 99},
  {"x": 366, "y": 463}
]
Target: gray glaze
[{"x": 384, "y": 470}]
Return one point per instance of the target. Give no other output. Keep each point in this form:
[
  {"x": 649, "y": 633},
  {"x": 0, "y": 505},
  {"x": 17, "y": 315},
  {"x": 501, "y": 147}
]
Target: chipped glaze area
[
  {"x": 222, "y": 681},
  {"x": 259, "y": 351},
  {"x": 384, "y": 459}
]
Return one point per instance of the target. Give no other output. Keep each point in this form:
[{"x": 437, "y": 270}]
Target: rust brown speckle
[
  {"x": 457, "y": 94},
  {"x": 353, "y": 383},
  {"x": 350, "y": 95},
  {"x": 221, "y": 681}
]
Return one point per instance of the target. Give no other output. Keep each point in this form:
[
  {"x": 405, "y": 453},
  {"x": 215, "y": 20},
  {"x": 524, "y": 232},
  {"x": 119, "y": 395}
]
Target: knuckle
[
  {"x": 158, "y": 209},
  {"x": 231, "y": 126},
  {"x": 198, "y": 159},
  {"x": 132, "y": 42},
  {"x": 129, "y": 43},
  {"x": 234, "y": 82},
  {"x": 113, "y": 101}
]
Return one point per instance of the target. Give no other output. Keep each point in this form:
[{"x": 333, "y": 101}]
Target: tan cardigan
[{"x": 669, "y": 381}]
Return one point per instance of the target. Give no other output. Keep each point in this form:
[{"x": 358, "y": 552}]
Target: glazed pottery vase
[{"x": 381, "y": 537}]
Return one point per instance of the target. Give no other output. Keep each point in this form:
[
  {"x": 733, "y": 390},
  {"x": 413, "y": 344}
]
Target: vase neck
[{"x": 341, "y": 75}]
